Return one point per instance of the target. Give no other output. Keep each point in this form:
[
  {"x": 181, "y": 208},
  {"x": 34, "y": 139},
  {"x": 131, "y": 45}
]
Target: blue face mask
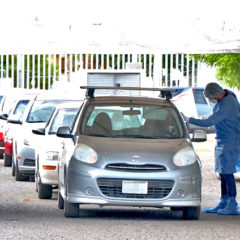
[{"x": 212, "y": 100}]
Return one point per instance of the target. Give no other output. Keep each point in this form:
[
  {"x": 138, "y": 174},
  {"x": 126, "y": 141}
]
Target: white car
[
  {"x": 36, "y": 116},
  {"x": 13, "y": 123},
  {"x": 46, "y": 153},
  {"x": 8, "y": 100}
]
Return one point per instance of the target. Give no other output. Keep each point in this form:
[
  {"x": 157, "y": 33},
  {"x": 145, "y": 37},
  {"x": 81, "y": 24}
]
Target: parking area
[{"x": 24, "y": 216}]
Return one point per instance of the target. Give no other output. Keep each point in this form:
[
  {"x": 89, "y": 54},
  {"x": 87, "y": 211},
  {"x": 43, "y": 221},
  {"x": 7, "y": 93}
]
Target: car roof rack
[{"x": 164, "y": 92}]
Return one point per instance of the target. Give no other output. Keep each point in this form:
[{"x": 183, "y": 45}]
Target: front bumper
[
  {"x": 83, "y": 187},
  {"x": 49, "y": 177},
  {"x": 26, "y": 161}
]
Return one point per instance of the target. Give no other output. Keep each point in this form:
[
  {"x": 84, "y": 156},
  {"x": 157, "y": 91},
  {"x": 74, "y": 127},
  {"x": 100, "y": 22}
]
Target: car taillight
[{"x": 1, "y": 136}]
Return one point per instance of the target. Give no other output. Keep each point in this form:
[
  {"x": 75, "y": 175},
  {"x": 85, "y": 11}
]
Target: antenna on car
[{"x": 164, "y": 92}]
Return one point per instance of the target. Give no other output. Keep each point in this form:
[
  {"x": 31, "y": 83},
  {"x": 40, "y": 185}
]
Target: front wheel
[
  {"x": 18, "y": 175},
  {"x": 44, "y": 190},
  {"x": 191, "y": 213},
  {"x": 60, "y": 201},
  {"x": 13, "y": 169},
  {"x": 71, "y": 209}
]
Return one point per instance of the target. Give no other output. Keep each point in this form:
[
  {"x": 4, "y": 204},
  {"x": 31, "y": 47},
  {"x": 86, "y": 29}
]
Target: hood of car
[{"x": 134, "y": 152}]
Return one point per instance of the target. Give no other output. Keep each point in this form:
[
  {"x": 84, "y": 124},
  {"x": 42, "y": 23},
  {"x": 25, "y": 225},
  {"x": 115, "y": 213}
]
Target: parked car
[
  {"x": 192, "y": 103},
  {"x": 36, "y": 116},
  {"x": 46, "y": 152},
  {"x": 130, "y": 151},
  {"x": 11, "y": 127},
  {"x": 8, "y": 101}
]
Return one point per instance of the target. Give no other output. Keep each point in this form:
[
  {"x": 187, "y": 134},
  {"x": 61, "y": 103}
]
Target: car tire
[
  {"x": 60, "y": 201},
  {"x": 191, "y": 213},
  {"x": 1, "y": 155},
  {"x": 71, "y": 209},
  {"x": 44, "y": 190},
  {"x": 36, "y": 182},
  {"x": 7, "y": 160},
  {"x": 18, "y": 175},
  {"x": 13, "y": 169}
]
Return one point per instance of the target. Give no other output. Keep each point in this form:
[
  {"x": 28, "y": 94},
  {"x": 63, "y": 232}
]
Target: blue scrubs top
[{"x": 226, "y": 119}]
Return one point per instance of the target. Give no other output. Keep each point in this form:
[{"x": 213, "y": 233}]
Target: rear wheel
[
  {"x": 71, "y": 209},
  {"x": 7, "y": 160},
  {"x": 191, "y": 213}
]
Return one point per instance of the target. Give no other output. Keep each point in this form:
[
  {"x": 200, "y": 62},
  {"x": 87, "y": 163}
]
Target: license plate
[{"x": 137, "y": 187}]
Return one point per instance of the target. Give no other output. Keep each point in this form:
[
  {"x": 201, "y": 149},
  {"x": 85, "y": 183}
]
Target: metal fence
[{"x": 40, "y": 71}]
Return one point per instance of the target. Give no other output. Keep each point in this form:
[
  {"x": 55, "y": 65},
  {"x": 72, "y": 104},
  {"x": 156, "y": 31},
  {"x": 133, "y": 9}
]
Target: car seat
[{"x": 102, "y": 125}]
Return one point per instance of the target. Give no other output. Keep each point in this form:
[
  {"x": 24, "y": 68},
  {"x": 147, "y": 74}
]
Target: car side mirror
[
  {"x": 39, "y": 131},
  {"x": 199, "y": 136},
  {"x": 15, "y": 118},
  {"x": 64, "y": 132},
  {"x": 4, "y": 116}
]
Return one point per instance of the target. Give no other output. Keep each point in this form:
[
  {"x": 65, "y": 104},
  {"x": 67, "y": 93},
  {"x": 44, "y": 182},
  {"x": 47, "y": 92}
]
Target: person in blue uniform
[{"x": 226, "y": 119}]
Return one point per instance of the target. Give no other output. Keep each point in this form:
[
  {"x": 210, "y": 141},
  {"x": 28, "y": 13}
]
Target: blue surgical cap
[{"x": 212, "y": 90}]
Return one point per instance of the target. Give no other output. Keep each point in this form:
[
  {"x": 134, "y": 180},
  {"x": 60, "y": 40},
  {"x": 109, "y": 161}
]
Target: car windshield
[
  {"x": 41, "y": 111},
  {"x": 64, "y": 117},
  {"x": 8, "y": 103},
  {"x": 132, "y": 121}
]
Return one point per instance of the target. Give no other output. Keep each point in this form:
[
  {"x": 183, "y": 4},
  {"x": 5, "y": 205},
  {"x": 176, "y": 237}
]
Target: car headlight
[
  {"x": 85, "y": 154},
  {"x": 51, "y": 155},
  {"x": 184, "y": 157}
]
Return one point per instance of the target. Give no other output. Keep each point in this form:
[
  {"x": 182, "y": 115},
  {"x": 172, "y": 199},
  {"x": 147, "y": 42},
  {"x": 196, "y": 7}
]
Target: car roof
[
  {"x": 61, "y": 95},
  {"x": 70, "y": 104}
]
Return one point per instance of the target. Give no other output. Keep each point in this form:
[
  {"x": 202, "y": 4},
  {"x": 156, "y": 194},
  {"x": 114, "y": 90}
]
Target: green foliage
[{"x": 227, "y": 67}]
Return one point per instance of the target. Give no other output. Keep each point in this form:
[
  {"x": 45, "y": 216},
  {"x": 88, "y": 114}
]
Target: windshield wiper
[
  {"x": 138, "y": 136},
  {"x": 97, "y": 135},
  {"x": 36, "y": 121}
]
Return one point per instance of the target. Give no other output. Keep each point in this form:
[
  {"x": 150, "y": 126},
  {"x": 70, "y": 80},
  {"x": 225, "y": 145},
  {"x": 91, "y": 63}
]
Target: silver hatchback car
[{"x": 129, "y": 151}]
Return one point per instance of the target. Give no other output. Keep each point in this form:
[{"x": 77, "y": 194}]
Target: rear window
[{"x": 132, "y": 121}]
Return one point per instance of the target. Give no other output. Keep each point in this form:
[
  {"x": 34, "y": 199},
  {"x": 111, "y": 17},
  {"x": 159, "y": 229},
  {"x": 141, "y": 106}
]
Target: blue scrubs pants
[{"x": 228, "y": 185}]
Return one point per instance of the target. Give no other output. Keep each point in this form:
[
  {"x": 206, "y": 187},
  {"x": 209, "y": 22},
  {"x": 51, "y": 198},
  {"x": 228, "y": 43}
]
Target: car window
[
  {"x": 133, "y": 121},
  {"x": 202, "y": 106},
  {"x": 41, "y": 111},
  {"x": 21, "y": 106},
  {"x": 199, "y": 97},
  {"x": 64, "y": 117}
]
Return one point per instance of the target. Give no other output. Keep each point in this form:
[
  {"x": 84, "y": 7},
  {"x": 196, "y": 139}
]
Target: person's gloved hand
[{"x": 185, "y": 117}]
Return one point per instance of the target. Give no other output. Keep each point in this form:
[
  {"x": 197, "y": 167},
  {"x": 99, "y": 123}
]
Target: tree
[{"x": 227, "y": 67}]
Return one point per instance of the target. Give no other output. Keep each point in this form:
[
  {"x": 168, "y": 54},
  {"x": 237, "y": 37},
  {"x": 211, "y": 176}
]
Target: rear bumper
[{"x": 2, "y": 147}]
